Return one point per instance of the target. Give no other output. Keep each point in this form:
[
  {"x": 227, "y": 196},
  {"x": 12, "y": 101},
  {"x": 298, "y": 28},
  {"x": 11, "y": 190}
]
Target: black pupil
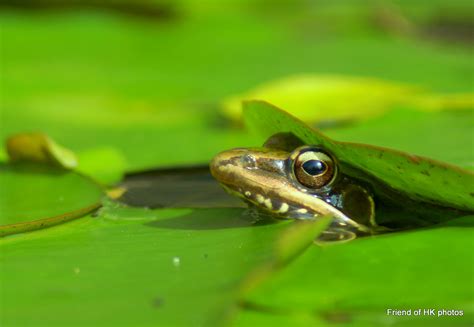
[{"x": 314, "y": 167}]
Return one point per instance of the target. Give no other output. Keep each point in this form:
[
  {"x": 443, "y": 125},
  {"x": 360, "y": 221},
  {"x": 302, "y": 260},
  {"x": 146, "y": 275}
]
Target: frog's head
[{"x": 302, "y": 183}]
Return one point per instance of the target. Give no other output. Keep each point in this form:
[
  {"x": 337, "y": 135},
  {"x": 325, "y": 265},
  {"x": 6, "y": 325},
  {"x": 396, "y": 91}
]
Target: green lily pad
[
  {"x": 36, "y": 196},
  {"x": 325, "y": 98},
  {"x": 422, "y": 178},
  {"x": 175, "y": 267},
  {"x": 357, "y": 282}
]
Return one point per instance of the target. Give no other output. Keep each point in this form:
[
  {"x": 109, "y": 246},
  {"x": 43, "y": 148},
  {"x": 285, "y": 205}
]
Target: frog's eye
[{"x": 314, "y": 169}]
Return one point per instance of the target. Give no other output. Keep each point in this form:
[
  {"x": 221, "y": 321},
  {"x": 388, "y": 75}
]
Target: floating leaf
[
  {"x": 316, "y": 98},
  {"x": 162, "y": 262},
  {"x": 437, "y": 102},
  {"x": 39, "y": 147},
  {"x": 358, "y": 281},
  {"x": 36, "y": 196},
  {"x": 422, "y": 178}
]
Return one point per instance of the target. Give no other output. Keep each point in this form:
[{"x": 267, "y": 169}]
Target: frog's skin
[{"x": 274, "y": 179}]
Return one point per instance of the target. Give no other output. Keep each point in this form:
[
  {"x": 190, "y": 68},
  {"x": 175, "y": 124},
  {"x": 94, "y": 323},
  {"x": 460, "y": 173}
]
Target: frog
[{"x": 288, "y": 179}]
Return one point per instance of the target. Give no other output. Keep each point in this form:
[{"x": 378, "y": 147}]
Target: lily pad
[
  {"x": 319, "y": 98},
  {"x": 422, "y": 178},
  {"x": 163, "y": 267},
  {"x": 36, "y": 196},
  {"x": 356, "y": 282}
]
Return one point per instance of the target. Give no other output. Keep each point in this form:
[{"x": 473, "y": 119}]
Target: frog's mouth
[{"x": 261, "y": 177}]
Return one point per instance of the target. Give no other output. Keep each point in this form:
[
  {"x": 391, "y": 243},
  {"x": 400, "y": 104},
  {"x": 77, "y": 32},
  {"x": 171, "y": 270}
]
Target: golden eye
[{"x": 314, "y": 169}]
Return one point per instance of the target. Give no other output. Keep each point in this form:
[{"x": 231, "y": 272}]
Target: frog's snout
[
  {"x": 224, "y": 161},
  {"x": 214, "y": 165}
]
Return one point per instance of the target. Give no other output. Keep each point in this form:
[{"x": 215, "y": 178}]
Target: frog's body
[
  {"x": 291, "y": 180},
  {"x": 263, "y": 178}
]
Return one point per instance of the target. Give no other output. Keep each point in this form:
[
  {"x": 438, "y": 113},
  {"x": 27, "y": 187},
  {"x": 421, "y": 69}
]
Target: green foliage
[
  {"x": 129, "y": 94},
  {"x": 358, "y": 281},
  {"x": 431, "y": 135},
  {"x": 315, "y": 98},
  {"x": 34, "y": 196},
  {"x": 421, "y": 178},
  {"x": 175, "y": 267}
]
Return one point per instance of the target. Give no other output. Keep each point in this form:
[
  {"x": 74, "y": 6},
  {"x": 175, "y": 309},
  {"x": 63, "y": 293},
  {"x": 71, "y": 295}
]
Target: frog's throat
[{"x": 261, "y": 189}]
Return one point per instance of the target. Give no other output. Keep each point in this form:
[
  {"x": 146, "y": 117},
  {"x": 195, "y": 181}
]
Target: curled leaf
[
  {"x": 39, "y": 147},
  {"x": 421, "y": 178}
]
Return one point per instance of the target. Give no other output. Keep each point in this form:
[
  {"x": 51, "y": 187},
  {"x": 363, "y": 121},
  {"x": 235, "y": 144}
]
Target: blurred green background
[
  {"x": 136, "y": 85},
  {"x": 144, "y": 79}
]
